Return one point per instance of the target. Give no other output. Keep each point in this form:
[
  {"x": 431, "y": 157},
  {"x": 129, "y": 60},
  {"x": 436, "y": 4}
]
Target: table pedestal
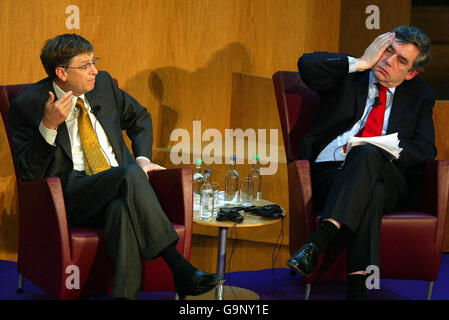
[
  {"x": 225, "y": 292},
  {"x": 229, "y": 292}
]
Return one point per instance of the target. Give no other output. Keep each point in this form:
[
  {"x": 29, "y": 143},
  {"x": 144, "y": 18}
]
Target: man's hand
[
  {"x": 56, "y": 112},
  {"x": 374, "y": 51},
  {"x": 148, "y": 166}
]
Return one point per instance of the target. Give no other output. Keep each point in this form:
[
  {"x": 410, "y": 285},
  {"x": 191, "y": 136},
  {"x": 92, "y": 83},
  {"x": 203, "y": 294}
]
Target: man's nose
[{"x": 93, "y": 70}]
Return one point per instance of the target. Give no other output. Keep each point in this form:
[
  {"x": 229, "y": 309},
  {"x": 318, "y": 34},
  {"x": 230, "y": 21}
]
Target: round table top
[{"x": 250, "y": 220}]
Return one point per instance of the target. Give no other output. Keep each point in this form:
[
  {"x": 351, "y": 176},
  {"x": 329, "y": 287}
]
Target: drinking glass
[
  {"x": 217, "y": 204},
  {"x": 246, "y": 191}
]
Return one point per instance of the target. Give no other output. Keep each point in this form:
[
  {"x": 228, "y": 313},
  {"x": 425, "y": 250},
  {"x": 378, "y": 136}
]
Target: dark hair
[
  {"x": 58, "y": 52},
  {"x": 413, "y": 35}
]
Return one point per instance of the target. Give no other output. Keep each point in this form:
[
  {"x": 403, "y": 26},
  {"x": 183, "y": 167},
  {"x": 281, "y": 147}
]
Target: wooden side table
[{"x": 250, "y": 221}]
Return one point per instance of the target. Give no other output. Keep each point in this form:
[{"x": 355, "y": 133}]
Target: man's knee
[
  {"x": 366, "y": 152},
  {"x": 132, "y": 170}
]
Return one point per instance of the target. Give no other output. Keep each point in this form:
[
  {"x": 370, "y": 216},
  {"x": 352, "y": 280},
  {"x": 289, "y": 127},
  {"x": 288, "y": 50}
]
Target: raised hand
[
  {"x": 374, "y": 51},
  {"x": 148, "y": 166},
  {"x": 57, "y": 111}
]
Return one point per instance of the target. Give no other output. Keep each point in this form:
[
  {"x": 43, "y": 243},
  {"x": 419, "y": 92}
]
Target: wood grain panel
[
  {"x": 354, "y": 36},
  {"x": 431, "y": 20},
  {"x": 241, "y": 255},
  {"x": 441, "y": 120},
  {"x": 175, "y": 57},
  {"x": 8, "y": 201}
]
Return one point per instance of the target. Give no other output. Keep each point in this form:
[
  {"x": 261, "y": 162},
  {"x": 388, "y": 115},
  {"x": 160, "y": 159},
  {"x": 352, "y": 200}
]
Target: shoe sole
[{"x": 295, "y": 268}]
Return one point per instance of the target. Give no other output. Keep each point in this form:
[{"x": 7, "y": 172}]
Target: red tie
[{"x": 375, "y": 122}]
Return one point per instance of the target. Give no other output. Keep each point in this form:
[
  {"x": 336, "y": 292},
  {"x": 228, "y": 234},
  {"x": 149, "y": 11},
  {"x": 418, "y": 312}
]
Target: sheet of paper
[{"x": 389, "y": 143}]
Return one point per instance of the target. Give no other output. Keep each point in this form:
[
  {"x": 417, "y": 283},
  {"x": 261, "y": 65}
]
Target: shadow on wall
[{"x": 183, "y": 96}]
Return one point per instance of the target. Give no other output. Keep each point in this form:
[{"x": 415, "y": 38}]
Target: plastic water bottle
[
  {"x": 255, "y": 175},
  {"x": 232, "y": 184},
  {"x": 207, "y": 197},
  {"x": 198, "y": 181}
]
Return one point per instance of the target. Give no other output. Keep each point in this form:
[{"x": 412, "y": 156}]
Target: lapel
[
  {"x": 106, "y": 117},
  {"x": 361, "y": 94},
  {"x": 401, "y": 99},
  {"x": 62, "y": 138}
]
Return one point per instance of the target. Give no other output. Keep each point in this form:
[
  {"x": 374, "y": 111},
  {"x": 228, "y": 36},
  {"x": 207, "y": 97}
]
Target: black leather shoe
[
  {"x": 305, "y": 260},
  {"x": 200, "y": 283}
]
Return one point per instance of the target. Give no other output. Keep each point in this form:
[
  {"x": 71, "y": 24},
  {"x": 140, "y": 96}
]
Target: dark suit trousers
[
  {"x": 356, "y": 195},
  {"x": 123, "y": 203}
]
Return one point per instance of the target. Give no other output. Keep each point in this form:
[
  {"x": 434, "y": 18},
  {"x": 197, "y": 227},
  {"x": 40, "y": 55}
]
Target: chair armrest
[
  {"x": 301, "y": 217},
  {"x": 43, "y": 229},
  {"x": 435, "y": 194},
  {"x": 174, "y": 189}
]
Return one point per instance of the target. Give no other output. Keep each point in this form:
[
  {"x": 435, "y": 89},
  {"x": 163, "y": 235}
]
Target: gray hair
[{"x": 413, "y": 35}]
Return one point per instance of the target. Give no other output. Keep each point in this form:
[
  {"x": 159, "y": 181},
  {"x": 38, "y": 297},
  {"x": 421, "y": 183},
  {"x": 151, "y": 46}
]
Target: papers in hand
[{"x": 389, "y": 143}]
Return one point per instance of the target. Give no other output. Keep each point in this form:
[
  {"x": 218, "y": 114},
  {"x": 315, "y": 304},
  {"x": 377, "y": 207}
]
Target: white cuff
[
  {"x": 143, "y": 158},
  {"x": 352, "y": 66},
  {"x": 48, "y": 134}
]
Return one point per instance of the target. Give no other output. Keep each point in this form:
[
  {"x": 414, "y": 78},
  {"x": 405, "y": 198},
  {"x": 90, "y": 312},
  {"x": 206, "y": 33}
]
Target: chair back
[
  {"x": 296, "y": 106},
  {"x": 7, "y": 94}
]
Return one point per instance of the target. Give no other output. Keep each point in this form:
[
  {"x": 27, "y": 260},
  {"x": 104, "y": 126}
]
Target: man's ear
[
  {"x": 411, "y": 74},
  {"x": 61, "y": 74}
]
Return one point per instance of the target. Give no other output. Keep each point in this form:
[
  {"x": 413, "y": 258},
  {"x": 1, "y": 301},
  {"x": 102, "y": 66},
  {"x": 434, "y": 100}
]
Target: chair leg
[
  {"x": 307, "y": 291},
  {"x": 178, "y": 297},
  {"x": 20, "y": 285},
  {"x": 429, "y": 290}
]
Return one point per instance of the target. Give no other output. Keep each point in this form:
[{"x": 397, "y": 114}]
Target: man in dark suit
[
  {"x": 376, "y": 94},
  {"x": 70, "y": 125}
]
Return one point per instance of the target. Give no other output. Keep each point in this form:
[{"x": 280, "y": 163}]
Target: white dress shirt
[
  {"x": 333, "y": 151},
  {"x": 75, "y": 142}
]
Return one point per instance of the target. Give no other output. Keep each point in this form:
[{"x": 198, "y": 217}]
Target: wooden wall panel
[
  {"x": 354, "y": 36},
  {"x": 175, "y": 57},
  {"x": 441, "y": 118}
]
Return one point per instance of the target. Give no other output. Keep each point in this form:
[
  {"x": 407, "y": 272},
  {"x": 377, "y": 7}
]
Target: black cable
[
  {"x": 363, "y": 122},
  {"x": 274, "y": 257},
  {"x": 228, "y": 263}
]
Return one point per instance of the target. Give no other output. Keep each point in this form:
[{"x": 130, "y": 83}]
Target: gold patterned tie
[{"x": 94, "y": 160}]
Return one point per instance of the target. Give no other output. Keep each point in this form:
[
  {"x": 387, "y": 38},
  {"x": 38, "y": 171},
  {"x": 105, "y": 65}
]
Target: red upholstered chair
[
  {"x": 410, "y": 242},
  {"x": 48, "y": 247}
]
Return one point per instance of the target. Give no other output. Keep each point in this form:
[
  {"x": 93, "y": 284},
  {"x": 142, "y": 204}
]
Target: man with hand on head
[
  {"x": 70, "y": 125},
  {"x": 376, "y": 94}
]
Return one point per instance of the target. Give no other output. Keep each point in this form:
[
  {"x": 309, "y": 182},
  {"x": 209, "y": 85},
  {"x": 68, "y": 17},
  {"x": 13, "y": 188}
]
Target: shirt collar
[{"x": 373, "y": 80}]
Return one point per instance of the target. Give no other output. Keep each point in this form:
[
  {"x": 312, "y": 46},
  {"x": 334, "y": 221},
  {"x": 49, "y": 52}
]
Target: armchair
[
  {"x": 48, "y": 247},
  {"x": 410, "y": 242}
]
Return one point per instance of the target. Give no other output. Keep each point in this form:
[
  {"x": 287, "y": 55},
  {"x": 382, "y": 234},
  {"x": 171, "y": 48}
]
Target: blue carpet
[{"x": 269, "y": 284}]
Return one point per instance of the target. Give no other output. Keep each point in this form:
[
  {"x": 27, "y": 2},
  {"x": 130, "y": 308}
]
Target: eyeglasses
[{"x": 86, "y": 66}]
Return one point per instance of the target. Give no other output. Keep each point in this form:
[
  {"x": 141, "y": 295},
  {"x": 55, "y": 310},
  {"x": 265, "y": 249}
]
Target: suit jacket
[
  {"x": 115, "y": 110},
  {"x": 342, "y": 102}
]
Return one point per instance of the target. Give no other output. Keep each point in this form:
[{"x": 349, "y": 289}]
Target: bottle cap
[
  {"x": 233, "y": 158},
  {"x": 256, "y": 157},
  {"x": 199, "y": 161},
  {"x": 208, "y": 171}
]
